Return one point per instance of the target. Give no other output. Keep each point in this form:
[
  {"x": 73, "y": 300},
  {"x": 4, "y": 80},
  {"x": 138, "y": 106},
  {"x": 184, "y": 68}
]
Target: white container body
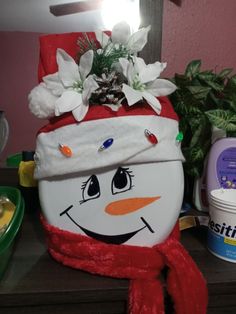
[{"x": 221, "y": 239}]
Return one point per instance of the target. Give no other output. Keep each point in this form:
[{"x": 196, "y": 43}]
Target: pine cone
[{"x": 109, "y": 91}]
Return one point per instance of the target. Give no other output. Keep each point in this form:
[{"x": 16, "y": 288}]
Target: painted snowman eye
[
  {"x": 90, "y": 189},
  {"x": 122, "y": 181}
]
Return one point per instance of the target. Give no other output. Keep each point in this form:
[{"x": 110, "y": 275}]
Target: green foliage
[
  {"x": 203, "y": 100},
  {"x": 223, "y": 119},
  {"x": 103, "y": 59}
]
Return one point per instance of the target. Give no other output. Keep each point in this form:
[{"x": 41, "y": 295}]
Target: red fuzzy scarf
[{"x": 142, "y": 265}]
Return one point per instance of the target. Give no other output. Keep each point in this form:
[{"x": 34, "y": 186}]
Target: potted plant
[{"x": 205, "y": 102}]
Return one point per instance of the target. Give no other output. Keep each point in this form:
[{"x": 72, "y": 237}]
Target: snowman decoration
[{"x": 109, "y": 167}]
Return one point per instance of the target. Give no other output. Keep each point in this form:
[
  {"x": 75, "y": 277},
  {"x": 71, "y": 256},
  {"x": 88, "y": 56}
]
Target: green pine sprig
[{"x": 105, "y": 58}]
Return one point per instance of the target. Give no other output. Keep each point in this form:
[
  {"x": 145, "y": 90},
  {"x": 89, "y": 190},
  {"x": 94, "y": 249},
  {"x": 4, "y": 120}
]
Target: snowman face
[{"x": 134, "y": 204}]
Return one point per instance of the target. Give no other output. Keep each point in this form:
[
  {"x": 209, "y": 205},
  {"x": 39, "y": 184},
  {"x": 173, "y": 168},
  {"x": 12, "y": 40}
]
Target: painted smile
[{"x": 111, "y": 239}]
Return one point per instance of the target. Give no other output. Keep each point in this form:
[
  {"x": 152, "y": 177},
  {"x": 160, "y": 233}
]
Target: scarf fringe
[{"x": 146, "y": 297}]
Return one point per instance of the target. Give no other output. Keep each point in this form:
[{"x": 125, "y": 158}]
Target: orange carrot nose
[{"x": 129, "y": 205}]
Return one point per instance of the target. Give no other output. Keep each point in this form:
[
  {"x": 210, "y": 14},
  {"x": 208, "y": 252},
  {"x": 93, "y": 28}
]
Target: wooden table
[{"x": 35, "y": 283}]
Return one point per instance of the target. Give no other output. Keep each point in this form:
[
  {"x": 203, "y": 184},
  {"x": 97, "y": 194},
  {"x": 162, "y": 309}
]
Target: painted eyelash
[
  {"x": 128, "y": 171},
  {"x": 82, "y": 188},
  {"x": 84, "y": 184},
  {"x": 82, "y": 201}
]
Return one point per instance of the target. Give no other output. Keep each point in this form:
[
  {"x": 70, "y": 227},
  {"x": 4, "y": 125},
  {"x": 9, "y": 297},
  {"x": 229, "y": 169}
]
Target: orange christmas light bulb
[{"x": 65, "y": 150}]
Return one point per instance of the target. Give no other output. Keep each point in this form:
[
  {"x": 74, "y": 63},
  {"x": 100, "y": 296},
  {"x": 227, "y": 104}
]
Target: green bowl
[{"x": 8, "y": 237}]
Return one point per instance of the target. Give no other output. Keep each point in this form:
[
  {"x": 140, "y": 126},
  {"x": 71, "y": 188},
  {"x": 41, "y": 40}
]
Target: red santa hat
[{"x": 103, "y": 137}]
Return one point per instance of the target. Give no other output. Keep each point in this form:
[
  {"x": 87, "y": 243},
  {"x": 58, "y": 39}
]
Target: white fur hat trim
[{"x": 130, "y": 145}]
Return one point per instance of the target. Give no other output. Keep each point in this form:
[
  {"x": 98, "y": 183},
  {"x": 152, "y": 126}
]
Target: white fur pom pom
[{"x": 42, "y": 102}]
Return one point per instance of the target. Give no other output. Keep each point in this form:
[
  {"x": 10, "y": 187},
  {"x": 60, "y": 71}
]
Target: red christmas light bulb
[{"x": 151, "y": 137}]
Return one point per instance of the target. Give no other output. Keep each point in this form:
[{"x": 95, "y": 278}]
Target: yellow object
[
  {"x": 26, "y": 174},
  {"x": 7, "y": 211},
  {"x": 186, "y": 222},
  {"x": 6, "y": 218},
  {"x": 190, "y": 221},
  {"x": 230, "y": 241}
]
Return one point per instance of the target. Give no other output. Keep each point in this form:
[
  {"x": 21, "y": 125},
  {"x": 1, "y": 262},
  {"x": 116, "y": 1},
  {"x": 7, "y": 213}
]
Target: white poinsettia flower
[
  {"x": 143, "y": 82},
  {"x": 72, "y": 84},
  {"x": 121, "y": 34}
]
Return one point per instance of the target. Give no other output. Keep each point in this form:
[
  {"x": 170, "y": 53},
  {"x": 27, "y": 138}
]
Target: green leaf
[
  {"x": 183, "y": 125},
  {"x": 192, "y": 170},
  {"x": 194, "y": 121},
  {"x": 181, "y": 80},
  {"x": 225, "y": 72},
  {"x": 230, "y": 87},
  {"x": 231, "y": 103},
  {"x": 213, "y": 101},
  {"x": 222, "y": 119},
  {"x": 201, "y": 129},
  {"x": 184, "y": 103},
  {"x": 197, "y": 154},
  {"x": 233, "y": 80},
  {"x": 193, "y": 68},
  {"x": 215, "y": 86},
  {"x": 196, "y": 138},
  {"x": 199, "y": 92},
  {"x": 206, "y": 76}
]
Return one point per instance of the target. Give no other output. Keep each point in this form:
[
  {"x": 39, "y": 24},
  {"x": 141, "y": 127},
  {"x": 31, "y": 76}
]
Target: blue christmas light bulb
[{"x": 106, "y": 144}]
